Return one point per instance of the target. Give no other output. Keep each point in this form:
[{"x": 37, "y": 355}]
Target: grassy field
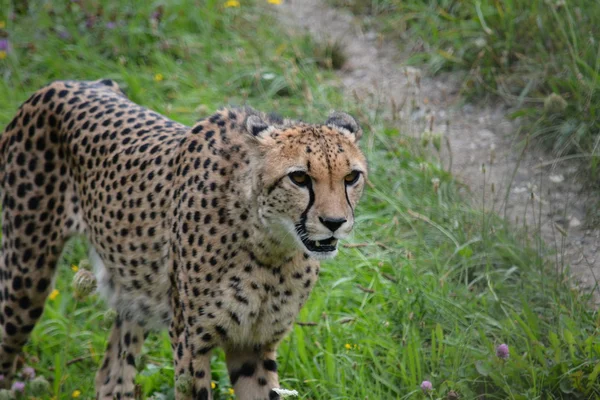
[
  {"x": 426, "y": 290},
  {"x": 540, "y": 56}
]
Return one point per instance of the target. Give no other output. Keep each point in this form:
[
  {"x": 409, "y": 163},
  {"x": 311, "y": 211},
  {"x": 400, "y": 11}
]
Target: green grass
[
  {"x": 430, "y": 285},
  {"x": 540, "y": 56}
]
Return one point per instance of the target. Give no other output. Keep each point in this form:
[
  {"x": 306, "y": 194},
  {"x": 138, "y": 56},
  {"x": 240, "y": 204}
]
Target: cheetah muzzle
[{"x": 214, "y": 230}]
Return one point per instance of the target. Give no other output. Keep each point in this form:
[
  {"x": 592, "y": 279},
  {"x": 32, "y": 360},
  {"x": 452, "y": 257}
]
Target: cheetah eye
[
  {"x": 352, "y": 178},
  {"x": 300, "y": 178}
]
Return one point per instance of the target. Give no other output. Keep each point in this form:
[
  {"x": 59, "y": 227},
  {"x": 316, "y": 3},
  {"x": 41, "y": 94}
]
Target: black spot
[
  {"x": 203, "y": 394},
  {"x": 33, "y": 203},
  {"x": 247, "y": 369},
  {"x": 10, "y": 328},
  {"x": 221, "y": 331},
  {"x": 48, "y": 96},
  {"x": 8, "y": 349},
  {"x": 24, "y": 302},
  {"x": 27, "y": 328},
  {"x": 180, "y": 351},
  {"x": 40, "y": 179},
  {"x": 21, "y": 159},
  {"x": 36, "y": 313},
  {"x": 270, "y": 365},
  {"x": 43, "y": 285},
  {"x": 17, "y": 283},
  {"x": 273, "y": 395},
  {"x": 130, "y": 359}
]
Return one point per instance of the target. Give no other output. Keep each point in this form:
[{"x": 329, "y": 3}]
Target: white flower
[{"x": 286, "y": 393}]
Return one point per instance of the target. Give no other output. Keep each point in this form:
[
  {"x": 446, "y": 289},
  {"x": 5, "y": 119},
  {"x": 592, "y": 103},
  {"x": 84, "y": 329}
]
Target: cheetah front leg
[
  {"x": 116, "y": 378},
  {"x": 192, "y": 362},
  {"x": 253, "y": 373}
]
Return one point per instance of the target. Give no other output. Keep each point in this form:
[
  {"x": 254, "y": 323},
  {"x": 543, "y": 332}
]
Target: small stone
[
  {"x": 574, "y": 222},
  {"x": 557, "y": 178},
  {"x": 452, "y": 395}
]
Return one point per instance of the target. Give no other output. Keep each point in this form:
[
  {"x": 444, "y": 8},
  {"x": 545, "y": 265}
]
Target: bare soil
[{"x": 518, "y": 181}]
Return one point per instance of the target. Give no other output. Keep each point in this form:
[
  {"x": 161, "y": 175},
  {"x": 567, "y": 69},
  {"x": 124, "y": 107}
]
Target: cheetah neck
[{"x": 269, "y": 246}]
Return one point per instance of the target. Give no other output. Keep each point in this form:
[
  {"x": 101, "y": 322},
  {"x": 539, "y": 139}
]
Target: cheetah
[{"x": 214, "y": 231}]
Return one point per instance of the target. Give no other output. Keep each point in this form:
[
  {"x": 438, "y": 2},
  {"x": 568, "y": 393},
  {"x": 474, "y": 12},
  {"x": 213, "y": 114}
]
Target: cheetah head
[{"x": 308, "y": 180}]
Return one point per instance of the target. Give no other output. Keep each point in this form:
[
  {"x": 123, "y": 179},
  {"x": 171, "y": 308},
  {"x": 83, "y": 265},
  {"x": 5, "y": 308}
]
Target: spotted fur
[{"x": 215, "y": 230}]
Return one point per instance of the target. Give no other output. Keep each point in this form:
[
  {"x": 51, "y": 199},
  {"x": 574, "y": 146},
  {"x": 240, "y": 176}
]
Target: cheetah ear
[
  {"x": 345, "y": 122},
  {"x": 256, "y": 126}
]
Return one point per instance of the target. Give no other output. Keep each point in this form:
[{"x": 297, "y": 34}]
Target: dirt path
[{"x": 541, "y": 195}]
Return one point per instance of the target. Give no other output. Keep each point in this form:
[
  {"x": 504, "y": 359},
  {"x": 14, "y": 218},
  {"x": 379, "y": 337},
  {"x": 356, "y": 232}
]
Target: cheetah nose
[{"x": 332, "y": 223}]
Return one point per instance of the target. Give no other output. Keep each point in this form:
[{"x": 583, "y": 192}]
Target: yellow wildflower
[
  {"x": 75, "y": 268},
  {"x": 276, "y": 2},
  {"x": 213, "y": 385},
  {"x": 2, "y": 24},
  {"x": 158, "y": 77},
  {"x": 231, "y": 391},
  {"x": 348, "y": 346},
  {"x": 76, "y": 394},
  {"x": 280, "y": 49},
  {"x": 232, "y": 3},
  {"x": 54, "y": 294},
  {"x": 2, "y": 54}
]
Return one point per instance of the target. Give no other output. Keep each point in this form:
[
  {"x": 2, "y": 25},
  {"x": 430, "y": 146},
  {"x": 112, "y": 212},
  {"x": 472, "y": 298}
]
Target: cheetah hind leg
[
  {"x": 27, "y": 268},
  {"x": 116, "y": 377}
]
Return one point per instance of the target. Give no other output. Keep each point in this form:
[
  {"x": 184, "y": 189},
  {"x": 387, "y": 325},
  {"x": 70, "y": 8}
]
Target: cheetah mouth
[{"x": 321, "y": 246}]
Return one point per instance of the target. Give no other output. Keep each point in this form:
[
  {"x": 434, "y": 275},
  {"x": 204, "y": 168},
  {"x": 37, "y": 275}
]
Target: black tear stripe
[
  {"x": 348, "y": 200},
  {"x": 346, "y": 191},
  {"x": 301, "y": 226}
]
